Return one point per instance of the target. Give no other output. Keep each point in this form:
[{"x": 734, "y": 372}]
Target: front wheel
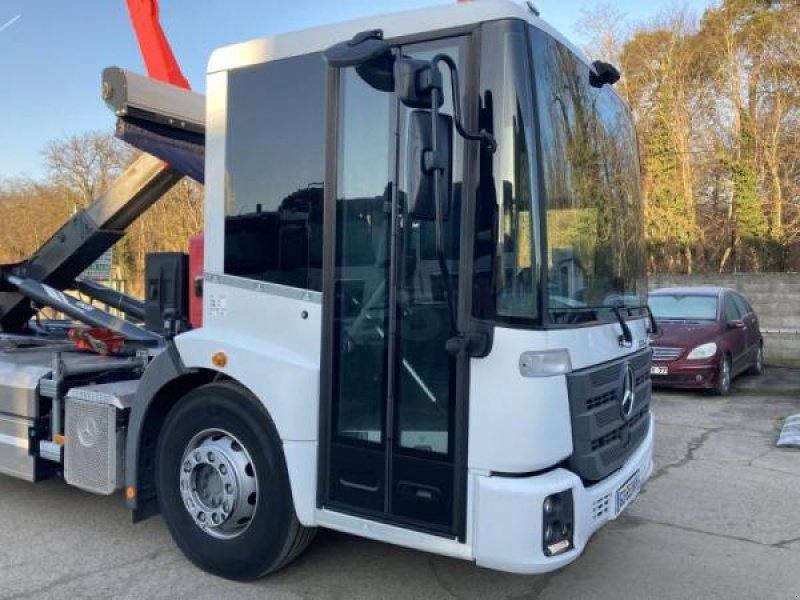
[
  {"x": 758, "y": 362},
  {"x": 723, "y": 384},
  {"x": 223, "y": 485}
]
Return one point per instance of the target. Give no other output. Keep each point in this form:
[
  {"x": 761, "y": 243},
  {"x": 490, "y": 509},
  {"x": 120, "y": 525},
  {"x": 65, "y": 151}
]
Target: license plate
[
  {"x": 658, "y": 370},
  {"x": 627, "y": 492}
]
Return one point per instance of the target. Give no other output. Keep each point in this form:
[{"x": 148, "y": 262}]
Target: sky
[{"x": 52, "y": 53}]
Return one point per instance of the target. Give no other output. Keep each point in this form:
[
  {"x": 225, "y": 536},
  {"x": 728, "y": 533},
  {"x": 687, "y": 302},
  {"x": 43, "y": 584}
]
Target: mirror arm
[{"x": 486, "y": 139}]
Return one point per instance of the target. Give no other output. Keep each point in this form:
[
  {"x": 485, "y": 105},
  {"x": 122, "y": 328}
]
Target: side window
[
  {"x": 731, "y": 310},
  {"x": 274, "y": 172},
  {"x": 364, "y": 184},
  {"x": 741, "y": 304}
]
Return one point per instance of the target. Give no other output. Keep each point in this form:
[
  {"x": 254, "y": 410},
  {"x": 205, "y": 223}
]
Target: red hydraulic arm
[
  {"x": 161, "y": 64},
  {"x": 156, "y": 51}
]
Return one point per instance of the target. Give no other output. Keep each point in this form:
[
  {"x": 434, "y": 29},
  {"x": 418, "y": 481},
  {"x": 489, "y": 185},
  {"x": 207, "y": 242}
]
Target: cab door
[
  {"x": 389, "y": 388},
  {"x": 753, "y": 335}
]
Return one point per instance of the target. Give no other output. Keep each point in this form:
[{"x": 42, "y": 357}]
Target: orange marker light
[
  {"x": 219, "y": 360},
  {"x": 130, "y": 493}
]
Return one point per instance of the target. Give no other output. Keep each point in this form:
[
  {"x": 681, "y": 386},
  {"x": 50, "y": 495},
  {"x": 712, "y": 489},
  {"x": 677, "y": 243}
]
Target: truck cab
[{"x": 454, "y": 433}]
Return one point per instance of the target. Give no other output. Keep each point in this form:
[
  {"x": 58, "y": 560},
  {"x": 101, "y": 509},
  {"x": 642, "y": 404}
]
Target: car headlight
[{"x": 703, "y": 351}]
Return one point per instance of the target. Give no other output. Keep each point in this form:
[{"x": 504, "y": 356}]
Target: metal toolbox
[{"x": 94, "y": 435}]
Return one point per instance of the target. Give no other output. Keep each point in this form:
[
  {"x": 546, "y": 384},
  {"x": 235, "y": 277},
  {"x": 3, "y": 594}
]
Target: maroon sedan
[{"x": 707, "y": 336}]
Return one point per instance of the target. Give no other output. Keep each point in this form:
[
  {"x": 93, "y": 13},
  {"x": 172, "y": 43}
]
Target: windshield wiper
[
  {"x": 653, "y": 325},
  {"x": 626, "y": 331}
]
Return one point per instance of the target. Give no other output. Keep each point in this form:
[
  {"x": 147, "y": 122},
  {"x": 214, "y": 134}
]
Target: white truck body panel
[
  {"x": 271, "y": 349},
  {"x": 508, "y": 523}
]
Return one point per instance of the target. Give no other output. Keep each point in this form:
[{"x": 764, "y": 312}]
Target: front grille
[
  {"x": 601, "y": 400},
  {"x": 664, "y": 353},
  {"x": 618, "y": 433},
  {"x": 605, "y": 376},
  {"x": 602, "y": 437}
]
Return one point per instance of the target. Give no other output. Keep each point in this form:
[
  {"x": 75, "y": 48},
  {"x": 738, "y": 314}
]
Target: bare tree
[{"x": 84, "y": 165}]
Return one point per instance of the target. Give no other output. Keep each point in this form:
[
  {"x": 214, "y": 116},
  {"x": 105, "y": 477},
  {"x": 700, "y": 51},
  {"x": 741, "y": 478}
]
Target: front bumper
[
  {"x": 687, "y": 374},
  {"x": 508, "y": 512}
]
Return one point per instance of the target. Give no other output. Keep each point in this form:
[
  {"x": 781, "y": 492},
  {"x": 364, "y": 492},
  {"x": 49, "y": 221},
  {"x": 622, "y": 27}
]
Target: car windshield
[{"x": 683, "y": 307}]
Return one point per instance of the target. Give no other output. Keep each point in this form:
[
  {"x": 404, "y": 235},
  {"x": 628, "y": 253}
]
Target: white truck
[{"x": 423, "y": 290}]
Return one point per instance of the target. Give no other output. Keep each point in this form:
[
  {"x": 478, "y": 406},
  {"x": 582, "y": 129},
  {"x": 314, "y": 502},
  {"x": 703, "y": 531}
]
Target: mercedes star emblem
[{"x": 628, "y": 393}]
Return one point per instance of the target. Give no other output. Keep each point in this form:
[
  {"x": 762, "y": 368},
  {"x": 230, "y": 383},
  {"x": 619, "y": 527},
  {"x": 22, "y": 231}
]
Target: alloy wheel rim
[
  {"x": 218, "y": 484},
  {"x": 726, "y": 375}
]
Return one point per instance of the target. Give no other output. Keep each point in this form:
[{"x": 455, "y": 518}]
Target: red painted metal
[
  {"x": 196, "y": 246},
  {"x": 156, "y": 51},
  {"x": 94, "y": 339},
  {"x": 162, "y": 65}
]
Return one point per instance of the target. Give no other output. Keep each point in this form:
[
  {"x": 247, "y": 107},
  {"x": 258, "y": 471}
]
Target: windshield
[
  {"x": 592, "y": 202},
  {"x": 683, "y": 308}
]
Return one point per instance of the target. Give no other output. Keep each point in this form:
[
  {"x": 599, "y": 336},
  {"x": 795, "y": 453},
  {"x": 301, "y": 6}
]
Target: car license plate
[
  {"x": 658, "y": 370},
  {"x": 627, "y": 492}
]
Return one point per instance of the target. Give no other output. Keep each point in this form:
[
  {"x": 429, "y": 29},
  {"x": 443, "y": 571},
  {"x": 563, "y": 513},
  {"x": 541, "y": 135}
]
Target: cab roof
[{"x": 394, "y": 25}]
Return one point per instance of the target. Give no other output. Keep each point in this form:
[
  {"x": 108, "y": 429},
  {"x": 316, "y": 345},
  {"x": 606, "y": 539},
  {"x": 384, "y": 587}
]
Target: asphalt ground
[{"x": 719, "y": 519}]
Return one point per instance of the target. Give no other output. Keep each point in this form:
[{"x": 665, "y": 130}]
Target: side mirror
[
  {"x": 603, "y": 73},
  {"x": 736, "y": 324},
  {"x": 369, "y": 54},
  {"x": 364, "y": 47},
  {"x": 421, "y": 161},
  {"x": 415, "y": 81}
]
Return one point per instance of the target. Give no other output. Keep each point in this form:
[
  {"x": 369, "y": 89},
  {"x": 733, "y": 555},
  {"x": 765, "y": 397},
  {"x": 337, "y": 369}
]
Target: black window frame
[{"x": 490, "y": 84}]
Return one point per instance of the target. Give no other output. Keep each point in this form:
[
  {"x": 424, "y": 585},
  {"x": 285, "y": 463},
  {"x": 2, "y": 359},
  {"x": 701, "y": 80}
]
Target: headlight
[{"x": 703, "y": 351}]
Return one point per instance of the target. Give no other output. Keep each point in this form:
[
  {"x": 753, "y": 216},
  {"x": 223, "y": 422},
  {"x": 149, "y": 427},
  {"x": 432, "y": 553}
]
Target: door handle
[{"x": 362, "y": 487}]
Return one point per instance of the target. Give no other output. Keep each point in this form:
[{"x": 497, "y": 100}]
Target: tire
[
  {"x": 219, "y": 451},
  {"x": 723, "y": 384},
  {"x": 758, "y": 363}
]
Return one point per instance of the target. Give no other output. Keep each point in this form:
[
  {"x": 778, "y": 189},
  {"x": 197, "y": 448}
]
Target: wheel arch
[
  {"x": 165, "y": 381},
  {"x": 175, "y": 372}
]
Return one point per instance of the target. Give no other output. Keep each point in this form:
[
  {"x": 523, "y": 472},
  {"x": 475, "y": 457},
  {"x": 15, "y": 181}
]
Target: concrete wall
[{"x": 775, "y": 298}]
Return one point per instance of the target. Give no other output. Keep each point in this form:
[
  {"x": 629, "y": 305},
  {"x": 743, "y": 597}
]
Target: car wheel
[
  {"x": 758, "y": 363},
  {"x": 223, "y": 485},
  {"x": 723, "y": 385}
]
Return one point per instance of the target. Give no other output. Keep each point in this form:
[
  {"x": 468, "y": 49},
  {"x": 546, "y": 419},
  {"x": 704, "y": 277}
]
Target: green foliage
[{"x": 717, "y": 105}]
